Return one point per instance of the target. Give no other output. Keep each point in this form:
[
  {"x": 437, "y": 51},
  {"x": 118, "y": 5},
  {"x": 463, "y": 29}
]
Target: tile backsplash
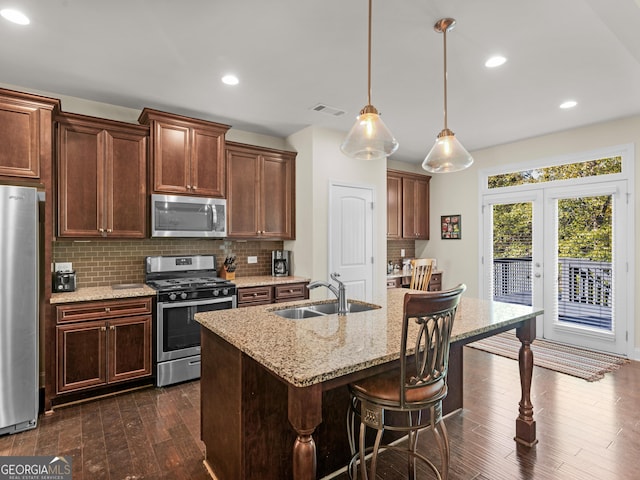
[
  {"x": 394, "y": 247},
  {"x": 106, "y": 262}
]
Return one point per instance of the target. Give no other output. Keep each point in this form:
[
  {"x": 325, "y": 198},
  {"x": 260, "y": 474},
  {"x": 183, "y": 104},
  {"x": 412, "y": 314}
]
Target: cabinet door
[
  {"x": 81, "y": 179},
  {"x": 276, "y": 206},
  {"x": 207, "y": 163},
  {"x": 415, "y": 208},
  {"x": 19, "y": 140},
  {"x": 171, "y": 154},
  {"x": 81, "y": 355},
  {"x": 129, "y": 348},
  {"x": 394, "y": 207},
  {"x": 242, "y": 194},
  {"x": 421, "y": 217},
  {"x": 126, "y": 192}
]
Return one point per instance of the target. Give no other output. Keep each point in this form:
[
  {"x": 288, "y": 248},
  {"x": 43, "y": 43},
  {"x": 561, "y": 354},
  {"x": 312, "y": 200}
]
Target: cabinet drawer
[
  {"x": 292, "y": 291},
  {"x": 254, "y": 296},
  {"x": 435, "y": 284},
  {"x": 103, "y": 310},
  {"x": 394, "y": 282}
]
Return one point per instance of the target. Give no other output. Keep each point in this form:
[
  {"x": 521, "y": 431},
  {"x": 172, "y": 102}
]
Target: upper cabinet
[
  {"x": 394, "y": 206},
  {"x": 101, "y": 177},
  {"x": 26, "y": 128},
  {"x": 260, "y": 192},
  {"x": 187, "y": 155},
  {"x": 407, "y": 205}
]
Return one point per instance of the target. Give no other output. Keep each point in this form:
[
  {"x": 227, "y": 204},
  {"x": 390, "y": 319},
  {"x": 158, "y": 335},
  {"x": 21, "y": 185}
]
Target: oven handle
[
  {"x": 195, "y": 303},
  {"x": 195, "y": 362}
]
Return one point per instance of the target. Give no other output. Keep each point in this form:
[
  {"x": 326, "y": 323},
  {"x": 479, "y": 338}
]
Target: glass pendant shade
[
  {"x": 369, "y": 138},
  {"x": 447, "y": 155}
]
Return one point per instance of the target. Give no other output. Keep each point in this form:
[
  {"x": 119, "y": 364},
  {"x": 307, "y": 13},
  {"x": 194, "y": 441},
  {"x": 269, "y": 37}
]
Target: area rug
[{"x": 574, "y": 361}]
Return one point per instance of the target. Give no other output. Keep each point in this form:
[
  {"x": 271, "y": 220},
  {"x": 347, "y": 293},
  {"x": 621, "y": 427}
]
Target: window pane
[{"x": 590, "y": 168}]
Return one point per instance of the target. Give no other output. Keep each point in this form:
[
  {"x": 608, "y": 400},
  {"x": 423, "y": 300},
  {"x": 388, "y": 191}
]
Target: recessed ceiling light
[
  {"x": 495, "y": 61},
  {"x": 15, "y": 16},
  {"x": 230, "y": 80},
  {"x": 568, "y": 104}
]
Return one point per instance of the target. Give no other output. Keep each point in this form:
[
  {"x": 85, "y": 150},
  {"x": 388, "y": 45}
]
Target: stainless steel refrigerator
[{"x": 18, "y": 308}]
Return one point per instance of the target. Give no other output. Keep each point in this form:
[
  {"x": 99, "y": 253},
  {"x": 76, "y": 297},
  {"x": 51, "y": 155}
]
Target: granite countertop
[
  {"x": 312, "y": 350},
  {"x": 108, "y": 292},
  {"x": 258, "y": 281}
]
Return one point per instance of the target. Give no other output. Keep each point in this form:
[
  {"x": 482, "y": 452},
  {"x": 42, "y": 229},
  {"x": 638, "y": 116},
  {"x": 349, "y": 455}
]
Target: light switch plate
[
  {"x": 252, "y": 259},
  {"x": 63, "y": 267},
  {"x": 402, "y": 252}
]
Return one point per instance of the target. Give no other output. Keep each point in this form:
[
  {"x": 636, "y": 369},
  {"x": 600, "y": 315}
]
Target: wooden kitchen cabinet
[
  {"x": 394, "y": 206},
  {"x": 26, "y": 130},
  {"x": 277, "y": 293},
  {"x": 187, "y": 154},
  {"x": 260, "y": 192},
  {"x": 407, "y": 205},
  {"x": 251, "y": 296},
  {"x": 102, "y": 166},
  {"x": 94, "y": 352}
]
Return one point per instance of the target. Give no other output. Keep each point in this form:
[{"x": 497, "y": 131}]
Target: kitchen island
[{"x": 273, "y": 390}]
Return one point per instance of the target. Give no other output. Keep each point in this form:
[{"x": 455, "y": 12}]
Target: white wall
[
  {"x": 457, "y": 193},
  {"x": 320, "y": 161}
]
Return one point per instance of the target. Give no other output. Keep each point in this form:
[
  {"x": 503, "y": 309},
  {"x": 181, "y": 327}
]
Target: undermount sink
[{"x": 320, "y": 309}]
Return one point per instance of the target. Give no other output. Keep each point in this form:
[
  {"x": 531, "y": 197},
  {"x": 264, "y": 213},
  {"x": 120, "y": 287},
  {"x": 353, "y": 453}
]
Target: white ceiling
[{"x": 293, "y": 54}]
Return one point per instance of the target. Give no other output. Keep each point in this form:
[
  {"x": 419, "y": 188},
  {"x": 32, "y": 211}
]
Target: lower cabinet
[
  {"x": 266, "y": 294},
  {"x": 102, "y": 343},
  {"x": 435, "y": 284}
]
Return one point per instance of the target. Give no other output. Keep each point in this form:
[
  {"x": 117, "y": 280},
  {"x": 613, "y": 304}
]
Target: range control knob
[
  {"x": 183, "y": 295},
  {"x": 225, "y": 291},
  {"x": 216, "y": 293},
  {"x": 172, "y": 296}
]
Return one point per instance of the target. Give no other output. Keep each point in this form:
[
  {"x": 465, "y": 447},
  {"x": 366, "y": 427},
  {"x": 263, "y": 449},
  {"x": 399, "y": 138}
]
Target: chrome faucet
[{"x": 340, "y": 292}]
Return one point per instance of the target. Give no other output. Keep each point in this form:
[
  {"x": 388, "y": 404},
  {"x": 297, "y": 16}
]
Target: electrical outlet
[
  {"x": 402, "y": 252},
  {"x": 64, "y": 267},
  {"x": 252, "y": 259}
]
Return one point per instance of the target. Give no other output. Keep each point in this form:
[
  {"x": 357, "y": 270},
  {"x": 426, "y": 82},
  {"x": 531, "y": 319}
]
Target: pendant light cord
[
  {"x": 369, "y": 57},
  {"x": 444, "y": 33}
]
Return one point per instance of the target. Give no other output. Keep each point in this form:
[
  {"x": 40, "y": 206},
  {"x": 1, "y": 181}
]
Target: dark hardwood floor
[{"x": 587, "y": 431}]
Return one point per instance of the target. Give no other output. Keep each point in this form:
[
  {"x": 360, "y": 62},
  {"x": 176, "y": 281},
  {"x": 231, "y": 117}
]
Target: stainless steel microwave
[{"x": 182, "y": 216}]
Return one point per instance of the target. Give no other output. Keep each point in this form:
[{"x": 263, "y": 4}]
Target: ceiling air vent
[{"x": 327, "y": 110}]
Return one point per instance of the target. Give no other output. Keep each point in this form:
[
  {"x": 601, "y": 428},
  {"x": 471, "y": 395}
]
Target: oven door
[{"x": 178, "y": 333}]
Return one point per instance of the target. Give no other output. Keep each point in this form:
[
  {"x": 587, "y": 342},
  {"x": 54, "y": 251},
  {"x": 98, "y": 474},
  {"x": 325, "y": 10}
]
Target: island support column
[
  {"x": 525, "y": 424},
  {"x": 305, "y": 414}
]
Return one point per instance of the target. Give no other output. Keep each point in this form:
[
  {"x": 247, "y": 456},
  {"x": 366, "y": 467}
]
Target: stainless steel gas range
[{"x": 186, "y": 285}]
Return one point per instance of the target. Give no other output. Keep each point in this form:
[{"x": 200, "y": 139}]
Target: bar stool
[{"x": 409, "y": 398}]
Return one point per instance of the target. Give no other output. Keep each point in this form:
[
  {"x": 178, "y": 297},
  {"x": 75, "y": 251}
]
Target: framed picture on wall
[{"x": 451, "y": 227}]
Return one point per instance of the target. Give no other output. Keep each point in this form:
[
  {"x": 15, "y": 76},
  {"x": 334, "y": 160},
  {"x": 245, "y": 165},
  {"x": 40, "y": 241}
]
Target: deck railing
[{"x": 584, "y": 288}]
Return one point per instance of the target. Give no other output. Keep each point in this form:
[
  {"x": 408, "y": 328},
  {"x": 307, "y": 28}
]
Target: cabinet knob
[
  {"x": 194, "y": 187},
  {"x": 255, "y": 294},
  {"x": 104, "y": 329},
  {"x": 112, "y": 327},
  {"x": 109, "y": 230},
  {"x": 101, "y": 230},
  {"x": 107, "y": 309},
  {"x": 188, "y": 187}
]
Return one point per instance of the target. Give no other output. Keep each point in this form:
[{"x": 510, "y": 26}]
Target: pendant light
[
  {"x": 448, "y": 154},
  {"x": 369, "y": 138}
]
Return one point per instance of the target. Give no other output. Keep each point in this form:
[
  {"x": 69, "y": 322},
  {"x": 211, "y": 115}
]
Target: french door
[{"x": 562, "y": 248}]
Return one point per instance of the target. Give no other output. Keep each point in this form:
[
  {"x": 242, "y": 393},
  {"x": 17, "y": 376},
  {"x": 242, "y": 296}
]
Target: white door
[
  {"x": 514, "y": 275},
  {"x": 586, "y": 303},
  {"x": 584, "y": 299},
  {"x": 351, "y": 238}
]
